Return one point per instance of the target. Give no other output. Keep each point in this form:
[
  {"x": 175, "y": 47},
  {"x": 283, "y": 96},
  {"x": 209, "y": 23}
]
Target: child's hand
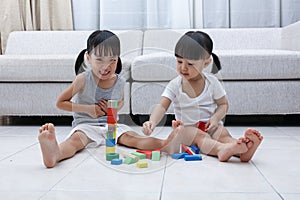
[
  {"x": 148, "y": 127},
  {"x": 95, "y": 111},
  {"x": 211, "y": 125},
  {"x": 103, "y": 105},
  {"x": 176, "y": 123}
]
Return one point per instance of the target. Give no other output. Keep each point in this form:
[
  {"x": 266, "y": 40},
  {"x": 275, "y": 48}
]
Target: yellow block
[
  {"x": 142, "y": 164},
  {"x": 111, "y": 149}
]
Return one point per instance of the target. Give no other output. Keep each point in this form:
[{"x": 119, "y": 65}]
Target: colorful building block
[
  {"x": 112, "y": 103},
  {"x": 110, "y": 142},
  {"x": 139, "y": 155},
  {"x": 148, "y": 153},
  {"x": 192, "y": 157},
  {"x": 179, "y": 155},
  {"x": 195, "y": 149},
  {"x": 201, "y": 126},
  {"x": 110, "y": 156},
  {"x": 155, "y": 155},
  {"x": 112, "y": 112},
  {"x": 129, "y": 160},
  {"x": 187, "y": 149},
  {"x": 110, "y": 149},
  {"x": 125, "y": 154},
  {"x": 142, "y": 164},
  {"x": 116, "y": 161},
  {"x": 111, "y": 119}
]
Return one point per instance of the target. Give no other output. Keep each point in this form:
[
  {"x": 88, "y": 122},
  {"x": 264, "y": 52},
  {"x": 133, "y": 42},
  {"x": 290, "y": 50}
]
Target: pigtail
[
  {"x": 216, "y": 64},
  {"x": 119, "y": 66},
  {"x": 79, "y": 63}
]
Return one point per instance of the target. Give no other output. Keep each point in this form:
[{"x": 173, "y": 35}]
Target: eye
[{"x": 179, "y": 61}]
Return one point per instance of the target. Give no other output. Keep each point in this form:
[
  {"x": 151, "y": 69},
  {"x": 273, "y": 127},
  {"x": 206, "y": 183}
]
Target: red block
[
  {"x": 201, "y": 126},
  {"x": 112, "y": 112},
  {"x": 111, "y": 119},
  {"x": 186, "y": 149},
  {"x": 147, "y": 152}
]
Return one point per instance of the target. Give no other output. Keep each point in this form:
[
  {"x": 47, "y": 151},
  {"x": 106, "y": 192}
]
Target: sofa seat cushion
[
  {"x": 259, "y": 64},
  {"x": 43, "y": 68}
]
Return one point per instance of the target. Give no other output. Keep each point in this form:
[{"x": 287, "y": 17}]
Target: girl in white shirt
[{"x": 199, "y": 98}]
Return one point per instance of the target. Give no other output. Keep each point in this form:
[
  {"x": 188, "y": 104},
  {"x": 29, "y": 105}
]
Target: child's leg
[
  {"x": 134, "y": 140},
  {"x": 255, "y": 139},
  {"x": 211, "y": 146},
  {"x": 222, "y": 135},
  {"x": 52, "y": 152}
]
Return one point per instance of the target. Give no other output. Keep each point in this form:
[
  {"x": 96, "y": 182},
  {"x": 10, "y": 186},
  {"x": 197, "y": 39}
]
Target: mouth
[{"x": 105, "y": 73}]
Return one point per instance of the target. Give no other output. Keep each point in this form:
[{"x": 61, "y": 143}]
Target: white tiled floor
[{"x": 272, "y": 174}]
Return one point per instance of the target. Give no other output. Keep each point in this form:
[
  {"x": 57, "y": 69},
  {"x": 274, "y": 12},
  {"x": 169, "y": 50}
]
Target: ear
[
  {"x": 207, "y": 61},
  {"x": 87, "y": 57}
]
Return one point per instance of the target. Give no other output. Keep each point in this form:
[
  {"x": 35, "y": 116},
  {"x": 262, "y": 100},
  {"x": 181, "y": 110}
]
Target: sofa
[{"x": 260, "y": 69}]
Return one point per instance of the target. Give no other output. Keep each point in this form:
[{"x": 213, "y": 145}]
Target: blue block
[
  {"x": 116, "y": 161},
  {"x": 179, "y": 155},
  {"x": 192, "y": 157},
  {"x": 110, "y": 142},
  {"x": 195, "y": 149}
]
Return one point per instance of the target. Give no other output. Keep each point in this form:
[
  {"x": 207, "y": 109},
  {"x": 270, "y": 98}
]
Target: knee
[{"x": 79, "y": 138}]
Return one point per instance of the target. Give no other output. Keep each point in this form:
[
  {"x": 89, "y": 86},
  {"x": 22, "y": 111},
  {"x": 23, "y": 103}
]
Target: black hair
[
  {"x": 100, "y": 42},
  {"x": 195, "y": 45}
]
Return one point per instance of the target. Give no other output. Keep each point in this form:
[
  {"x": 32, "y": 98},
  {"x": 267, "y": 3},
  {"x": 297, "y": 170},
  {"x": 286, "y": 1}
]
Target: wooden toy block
[
  {"x": 155, "y": 155},
  {"x": 192, "y": 157},
  {"x": 140, "y": 155},
  {"x": 112, "y": 104},
  {"x": 111, "y": 119},
  {"x": 110, "y": 142},
  {"x": 195, "y": 149},
  {"x": 147, "y": 152},
  {"x": 129, "y": 160},
  {"x": 142, "y": 164},
  {"x": 186, "y": 149},
  {"x": 125, "y": 154},
  {"x": 112, "y": 112},
  {"x": 179, "y": 155},
  {"x": 112, "y": 127},
  {"x": 116, "y": 161},
  {"x": 201, "y": 126},
  {"x": 110, "y": 135},
  {"x": 110, "y": 156},
  {"x": 110, "y": 149}
]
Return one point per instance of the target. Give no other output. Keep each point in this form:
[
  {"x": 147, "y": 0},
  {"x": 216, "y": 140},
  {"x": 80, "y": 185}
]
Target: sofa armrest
[{"x": 290, "y": 37}]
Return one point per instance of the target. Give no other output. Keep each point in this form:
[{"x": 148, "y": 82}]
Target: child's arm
[
  {"x": 64, "y": 100},
  {"x": 220, "y": 113},
  {"x": 156, "y": 115}
]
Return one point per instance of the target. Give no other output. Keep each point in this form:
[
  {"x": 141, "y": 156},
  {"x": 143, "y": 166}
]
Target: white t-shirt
[{"x": 192, "y": 110}]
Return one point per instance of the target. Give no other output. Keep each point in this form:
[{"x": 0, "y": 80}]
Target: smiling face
[{"x": 103, "y": 67}]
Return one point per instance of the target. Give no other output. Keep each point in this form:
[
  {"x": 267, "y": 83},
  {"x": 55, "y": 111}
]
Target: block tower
[{"x": 112, "y": 109}]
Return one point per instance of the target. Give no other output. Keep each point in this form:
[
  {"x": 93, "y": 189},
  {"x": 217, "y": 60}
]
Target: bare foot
[
  {"x": 255, "y": 139},
  {"x": 230, "y": 149},
  {"x": 174, "y": 141},
  {"x": 49, "y": 146}
]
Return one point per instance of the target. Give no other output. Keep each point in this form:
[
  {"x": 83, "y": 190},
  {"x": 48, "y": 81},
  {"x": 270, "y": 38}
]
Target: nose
[{"x": 183, "y": 66}]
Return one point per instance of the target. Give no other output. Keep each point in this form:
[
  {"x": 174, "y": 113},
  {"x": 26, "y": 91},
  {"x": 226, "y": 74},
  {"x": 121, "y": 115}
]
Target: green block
[
  {"x": 110, "y": 156},
  {"x": 155, "y": 155},
  {"x": 129, "y": 160},
  {"x": 139, "y": 155}
]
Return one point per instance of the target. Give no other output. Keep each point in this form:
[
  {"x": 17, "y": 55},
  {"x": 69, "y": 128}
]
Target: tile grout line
[
  {"x": 163, "y": 179},
  {"x": 63, "y": 177},
  {"x": 18, "y": 151},
  {"x": 264, "y": 177}
]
